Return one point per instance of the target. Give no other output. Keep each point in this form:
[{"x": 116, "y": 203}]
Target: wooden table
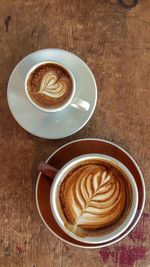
[{"x": 115, "y": 43}]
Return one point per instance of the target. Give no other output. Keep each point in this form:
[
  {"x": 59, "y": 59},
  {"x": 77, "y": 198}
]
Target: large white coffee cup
[{"x": 58, "y": 179}]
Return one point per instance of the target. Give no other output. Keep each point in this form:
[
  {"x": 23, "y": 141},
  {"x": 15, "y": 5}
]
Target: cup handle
[
  {"x": 80, "y": 104},
  {"x": 47, "y": 170}
]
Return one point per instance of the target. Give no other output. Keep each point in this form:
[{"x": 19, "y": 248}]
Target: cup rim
[
  {"x": 50, "y": 110},
  {"x": 121, "y": 228}
]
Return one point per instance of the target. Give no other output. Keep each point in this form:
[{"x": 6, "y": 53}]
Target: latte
[
  {"x": 49, "y": 86},
  {"x": 94, "y": 198}
]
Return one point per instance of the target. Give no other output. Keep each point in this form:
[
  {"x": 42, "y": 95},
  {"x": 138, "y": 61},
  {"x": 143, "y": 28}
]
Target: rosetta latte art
[
  {"x": 52, "y": 86},
  {"x": 93, "y": 197}
]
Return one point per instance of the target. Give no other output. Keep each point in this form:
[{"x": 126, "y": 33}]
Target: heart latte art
[
  {"x": 49, "y": 85},
  {"x": 93, "y": 196},
  {"x": 52, "y": 86}
]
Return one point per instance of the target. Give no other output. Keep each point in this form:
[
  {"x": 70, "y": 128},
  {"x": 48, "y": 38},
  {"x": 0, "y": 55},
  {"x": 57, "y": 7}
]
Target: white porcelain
[
  {"x": 73, "y": 100},
  {"x": 59, "y": 124},
  {"x": 62, "y": 174}
]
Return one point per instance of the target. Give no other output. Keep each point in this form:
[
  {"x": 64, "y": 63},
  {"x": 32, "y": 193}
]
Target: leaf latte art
[{"x": 92, "y": 196}]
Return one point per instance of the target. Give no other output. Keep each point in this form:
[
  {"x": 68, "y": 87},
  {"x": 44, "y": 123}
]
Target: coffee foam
[
  {"x": 49, "y": 85},
  {"x": 52, "y": 86},
  {"x": 92, "y": 197}
]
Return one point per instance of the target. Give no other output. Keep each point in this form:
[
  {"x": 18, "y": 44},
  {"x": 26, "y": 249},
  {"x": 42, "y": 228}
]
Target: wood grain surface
[{"x": 115, "y": 43}]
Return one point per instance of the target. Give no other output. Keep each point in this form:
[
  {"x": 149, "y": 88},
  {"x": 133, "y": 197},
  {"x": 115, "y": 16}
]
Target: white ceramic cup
[
  {"x": 73, "y": 100},
  {"x": 61, "y": 174}
]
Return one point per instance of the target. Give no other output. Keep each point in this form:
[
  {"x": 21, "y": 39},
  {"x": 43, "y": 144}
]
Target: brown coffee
[
  {"x": 94, "y": 198},
  {"x": 49, "y": 86}
]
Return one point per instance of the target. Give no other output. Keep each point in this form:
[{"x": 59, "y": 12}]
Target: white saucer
[{"x": 60, "y": 124}]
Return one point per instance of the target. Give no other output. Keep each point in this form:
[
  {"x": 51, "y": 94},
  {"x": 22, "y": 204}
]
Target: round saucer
[
  {"x": 60, "y": 124},
  {"x": 68, "y": 152}
]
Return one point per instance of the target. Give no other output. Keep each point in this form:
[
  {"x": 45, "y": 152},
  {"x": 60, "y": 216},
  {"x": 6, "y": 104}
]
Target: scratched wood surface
[{"x": 115, "y": 43}]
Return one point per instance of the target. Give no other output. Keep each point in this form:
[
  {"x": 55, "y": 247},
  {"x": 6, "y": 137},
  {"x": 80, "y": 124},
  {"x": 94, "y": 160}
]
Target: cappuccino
[
  {"x": 94, "y": 198},
  {"x": 49, "y": 85}
]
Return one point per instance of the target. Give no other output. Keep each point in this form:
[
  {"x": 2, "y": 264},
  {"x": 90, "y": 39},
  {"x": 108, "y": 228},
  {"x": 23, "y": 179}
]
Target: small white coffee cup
[
  {"x": 73, "y": 100},
  {"x": 61, "y": 174}
]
